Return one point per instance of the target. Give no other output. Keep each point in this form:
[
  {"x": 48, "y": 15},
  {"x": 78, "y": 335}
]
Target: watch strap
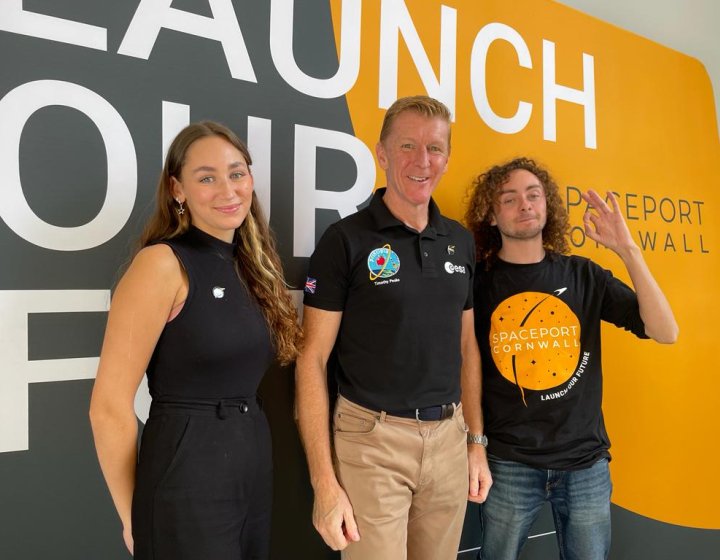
[{"x": 480, "y": 439}]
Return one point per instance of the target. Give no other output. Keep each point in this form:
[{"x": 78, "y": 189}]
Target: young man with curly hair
[{"x": 538, "y": 312}]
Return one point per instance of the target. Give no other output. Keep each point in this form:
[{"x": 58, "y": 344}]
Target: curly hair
[
  {"x": 485, "y": 192},
  {"x": 255, "y": 253}
]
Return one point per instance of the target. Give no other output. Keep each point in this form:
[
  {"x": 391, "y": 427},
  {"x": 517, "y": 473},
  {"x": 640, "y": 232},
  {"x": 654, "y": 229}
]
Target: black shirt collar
[{"x": 384, "y": 218}]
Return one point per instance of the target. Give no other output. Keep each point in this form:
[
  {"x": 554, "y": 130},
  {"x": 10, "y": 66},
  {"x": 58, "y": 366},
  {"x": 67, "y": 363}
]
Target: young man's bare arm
[{"x": 607, "y": 226}]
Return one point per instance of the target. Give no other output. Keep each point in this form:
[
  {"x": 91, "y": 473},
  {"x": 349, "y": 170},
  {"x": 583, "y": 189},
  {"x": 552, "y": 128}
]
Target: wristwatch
[{"x": 477, "y": 438}]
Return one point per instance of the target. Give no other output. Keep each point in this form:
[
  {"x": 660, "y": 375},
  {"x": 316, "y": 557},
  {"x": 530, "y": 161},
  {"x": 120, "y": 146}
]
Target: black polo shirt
[{"x": 402, "y": 294}]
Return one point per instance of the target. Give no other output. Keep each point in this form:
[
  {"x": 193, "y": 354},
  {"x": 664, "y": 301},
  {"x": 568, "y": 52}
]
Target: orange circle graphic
[{"x": 535, "y": 340}]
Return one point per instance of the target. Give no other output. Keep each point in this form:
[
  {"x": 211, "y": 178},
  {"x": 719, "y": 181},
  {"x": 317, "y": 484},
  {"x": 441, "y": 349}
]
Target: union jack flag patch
[{"x": 310, "y": 285}]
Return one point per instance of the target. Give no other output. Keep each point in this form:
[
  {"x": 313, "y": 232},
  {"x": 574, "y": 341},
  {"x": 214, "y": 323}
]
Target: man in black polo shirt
[{"x": 390, "y": 288}]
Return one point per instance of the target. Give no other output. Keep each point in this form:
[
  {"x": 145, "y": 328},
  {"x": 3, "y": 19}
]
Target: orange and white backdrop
[{"x": 608, "y": 110}]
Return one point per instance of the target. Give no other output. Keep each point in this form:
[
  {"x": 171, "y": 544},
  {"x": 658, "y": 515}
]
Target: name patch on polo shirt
[{"x": 383, "y": 263}]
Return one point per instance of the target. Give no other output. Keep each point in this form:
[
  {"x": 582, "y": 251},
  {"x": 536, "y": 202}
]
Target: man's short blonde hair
[{"x": 421, "y": 104}]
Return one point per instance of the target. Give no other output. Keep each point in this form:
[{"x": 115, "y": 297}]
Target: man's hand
[
  {"x": 333, "y": 517},
  {"x": 606, "y": 226},
  {"x": 479, "y": 471}
]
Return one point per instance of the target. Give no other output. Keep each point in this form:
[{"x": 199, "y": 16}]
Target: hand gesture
[{"x": 606, "y": 226}]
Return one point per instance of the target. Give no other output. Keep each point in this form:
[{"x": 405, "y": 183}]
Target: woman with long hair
[{"x": 204, "y": 310}]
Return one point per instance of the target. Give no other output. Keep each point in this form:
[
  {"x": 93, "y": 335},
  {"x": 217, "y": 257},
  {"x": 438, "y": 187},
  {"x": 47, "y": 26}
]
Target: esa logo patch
[
  {"x": 383, "y": 262},
  {"x": 451, "y": 268}
]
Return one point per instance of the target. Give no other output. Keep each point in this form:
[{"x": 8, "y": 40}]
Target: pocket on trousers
[
  {"x": 350, "y": 424},
  {"x": 184, "y": 429},
  {"x": 459, "y": 421}
]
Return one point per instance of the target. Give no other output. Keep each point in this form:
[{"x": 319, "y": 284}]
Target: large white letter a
[{"x": 152, "y": 15}]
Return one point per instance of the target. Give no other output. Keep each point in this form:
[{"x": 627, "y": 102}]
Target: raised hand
[{"x": 606, "y": 226}]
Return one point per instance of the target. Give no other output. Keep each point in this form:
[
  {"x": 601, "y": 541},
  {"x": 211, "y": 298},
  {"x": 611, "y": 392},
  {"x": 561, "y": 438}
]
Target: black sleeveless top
[{"x": 219, "y": 345}]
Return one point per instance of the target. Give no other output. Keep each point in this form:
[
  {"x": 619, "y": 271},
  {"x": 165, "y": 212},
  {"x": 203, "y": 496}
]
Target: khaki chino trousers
[{"x": 407, "y": 481}]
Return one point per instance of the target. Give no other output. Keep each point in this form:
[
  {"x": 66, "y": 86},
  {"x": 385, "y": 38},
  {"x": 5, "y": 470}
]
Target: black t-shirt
[
  {"x": 402, "y": 294},
  {"x": 219, "y": 345},
  {"x": 538, "y": 327}
]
